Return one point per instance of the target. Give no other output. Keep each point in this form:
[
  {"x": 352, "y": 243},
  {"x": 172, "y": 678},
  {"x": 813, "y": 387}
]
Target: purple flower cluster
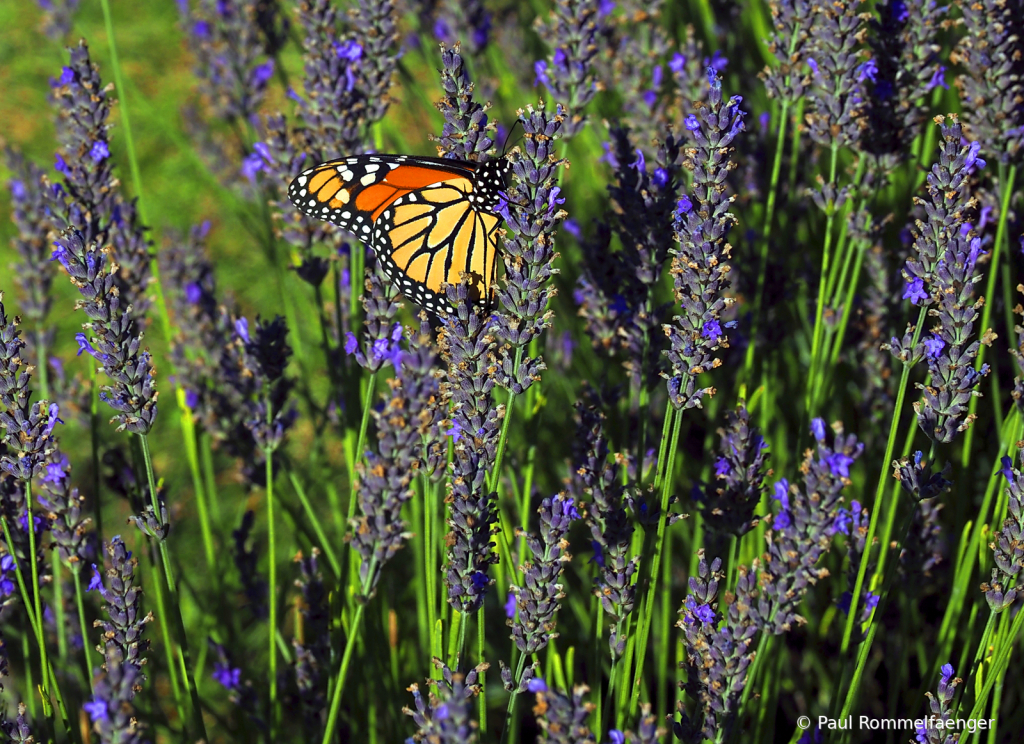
[
  {"x": 575, "y": 32},
  {"x": 1008, "y": 545},
  {"x": 269, "y": 413},
  {"x": 204, "y": 328},
  {"x": 837, "y": 92},
  {"x": 111, "y": 710},
  {"x": 32, "y": 273},
  {"x": 537, "y": 600},
  {"x": 902, "y": 71},
  {"x": 644, "y": 201},
  {"x": 941, "y": 708},
  {"x": 446, "y": 715},
  {"x": 382, "y": 335},
  {"x": 717, "y": 655},
  {"x": 563, "y": 719},
  {"x": 804, "y": 524},
  {"x": 89, "y": 199},
  {"x": 854, "y": 524},
  {"x": 700, "y": 265},
  {"x": 923, "y": 549},
  {"x": 241, "y": 691},
  {"x": 467, "y": 347},
  {"x": 532, "y": 213},
  {"x": 28, "y": 440},
  {"x": 387, "y": 475},
  {"x": 313, "y": 653},
  {"x": 992, "y": 85},
  {"x": 232, "y": 64},
  {"x": 942, "y": 274},
  {"x": 610, "y": 527},
  {"x": 728, "y": 504},
  {"x": 58, "y": 17},
  {"x": 112, "y": 335},
  {"x": 790, "y": 44},
  {"x": 467, "y": 134}
]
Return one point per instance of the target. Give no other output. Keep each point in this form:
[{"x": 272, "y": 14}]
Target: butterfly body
[{"x": 429, "y": 220}]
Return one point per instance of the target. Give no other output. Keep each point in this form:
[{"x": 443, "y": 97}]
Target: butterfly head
[{"x": 491, "y": 179}]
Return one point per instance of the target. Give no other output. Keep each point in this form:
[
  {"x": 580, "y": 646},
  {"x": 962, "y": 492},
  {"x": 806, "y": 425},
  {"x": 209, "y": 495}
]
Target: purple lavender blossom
[
  {"x": 1008, "y": 545},
  {"x": 231, "y": 61},
  {"x": 728, "y": 505},
  {"x": 790, "y": 45},
  {"x": 446, "y": 715},
  {"x": 387, "y": 475},
  {"x": 467, "y": 133},
  {"x": 58, "y": 17},
  {"x": 905, "y": 49},
  {"x": 33, "y": 273},
  {"x": 836, "y": 95},
  {"x": 563, "y": 719},
  {"x": 538, "y": 599},
  {"x": 700, "y": 266},
  {"x": 938, "y": 727},
  {"x": 121, "y": 677},
  {"x": 574, "y": 31},
  {"x": 532, "y": 214},
  {"x": 90, "y": 200},
  {"x": 28, "y": 440},
  {"x": 265, "y": 357},
  {"x": 116, "y": 342},
  {"x": 944, "y": 268},
  {"x": 992, "y": 85},
  {"x": 466, "y": 345},
  {"x": 313, "y": 653},
  {"x": 610, "y": 527}
]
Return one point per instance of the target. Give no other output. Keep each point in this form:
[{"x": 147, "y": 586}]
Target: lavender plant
[{"x": 409, "y": 461}]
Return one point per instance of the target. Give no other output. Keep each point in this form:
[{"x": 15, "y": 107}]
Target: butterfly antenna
[{"x": 508, "y": 135}]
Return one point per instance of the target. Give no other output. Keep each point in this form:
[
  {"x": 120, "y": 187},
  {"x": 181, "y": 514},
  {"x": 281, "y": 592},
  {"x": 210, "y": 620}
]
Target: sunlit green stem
[
  {"x": 172, "y": 595},
  {"x": 990, "y": 288},
  {"x": 766, "y": 231}
]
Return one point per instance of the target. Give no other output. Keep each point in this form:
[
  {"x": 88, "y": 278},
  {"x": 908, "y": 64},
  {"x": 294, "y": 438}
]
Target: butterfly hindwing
[
  {"x": 429, "y": 220},
  {"x": 431, "y": 237}
]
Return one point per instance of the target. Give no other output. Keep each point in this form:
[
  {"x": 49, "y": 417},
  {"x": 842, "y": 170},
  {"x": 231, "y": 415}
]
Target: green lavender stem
[
  {"x": 766, "y": 231},
  {"x": 651, "y": 588},
  {"x": 172, "y": 594},
  {"x": 890, "y": 445},
  {"x": 819, "y": 311},
  {"x": 986, "y": 312}
]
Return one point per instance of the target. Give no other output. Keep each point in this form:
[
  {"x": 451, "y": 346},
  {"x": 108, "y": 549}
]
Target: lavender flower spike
[
  {"x": 33, "y": 273},
  {"x": 90, "y": 199},
  {"x": 1008, "y": 545},
  {"x": 700, "y": 266},
  {"x": 466, "y": 346},
  {"x": 950, "y": 351},
  {"x": 575, "y": 31},
  {"x": 532, "y": 213},
  {"x": 17, "y": 731},
  {"x": 537, "y": 600},
  {"x": 28, "y": 427},
  {"x": 940, "y": 710},
  {"x": 115, "y": 342},
  {"x": 993, "y": 84},
  {"x": 446, "y": 715},
  {"x": 111, "y": 710}
]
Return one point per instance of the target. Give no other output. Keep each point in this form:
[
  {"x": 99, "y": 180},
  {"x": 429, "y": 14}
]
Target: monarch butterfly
[{"x": 428, "y": 220}]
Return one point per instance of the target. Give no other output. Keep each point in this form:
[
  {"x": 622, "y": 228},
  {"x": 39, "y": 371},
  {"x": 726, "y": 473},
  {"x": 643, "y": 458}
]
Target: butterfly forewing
[{"x": 428, "y": 220}]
